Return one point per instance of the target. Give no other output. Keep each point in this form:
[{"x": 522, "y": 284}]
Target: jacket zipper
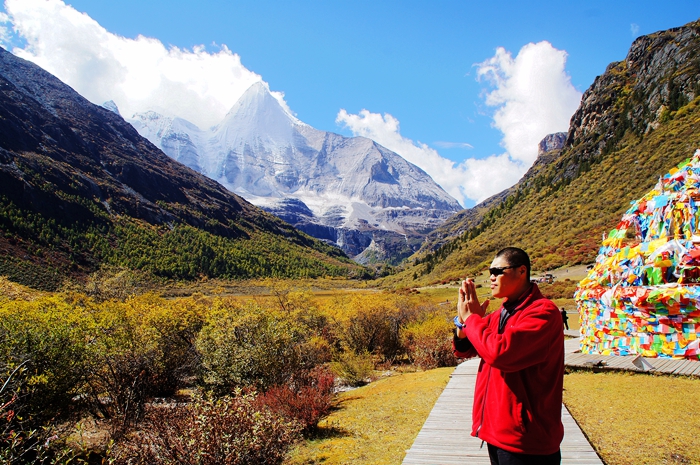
[
  {"x": 483, "y": 406},
  {"x": 488, "y": 380}
]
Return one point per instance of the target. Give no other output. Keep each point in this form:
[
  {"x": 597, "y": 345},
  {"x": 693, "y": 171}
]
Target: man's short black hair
[{"x": 515, "y": 257}]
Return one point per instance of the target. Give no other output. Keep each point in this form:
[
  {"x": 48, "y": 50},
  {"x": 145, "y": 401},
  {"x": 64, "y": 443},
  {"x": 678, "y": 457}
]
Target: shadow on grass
[{"x": 328, "y": 432}]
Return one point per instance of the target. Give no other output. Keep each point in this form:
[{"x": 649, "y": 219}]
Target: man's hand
[{"x": 468, "y": 302}]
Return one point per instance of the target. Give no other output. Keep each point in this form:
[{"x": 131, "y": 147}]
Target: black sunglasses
[{"x": 498, "y": 270}]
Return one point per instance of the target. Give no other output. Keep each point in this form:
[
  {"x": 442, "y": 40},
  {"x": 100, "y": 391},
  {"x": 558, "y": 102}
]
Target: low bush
[
  {"x": 139, "y": 349},
  {"x": 369, "y": 323},
  {"x": 109, "y": 356},
  {"x": 48, "y": 339},
  {"x": 428, "y": 342},
  {"x": 248, "y": 345},
  {"x": 306, "y": 398},
  {"x": 114, "y": 283},
  {"x": 563, "y": 289},
  {"x": 224, "y": 431},
  {"x": 21, "y": 440},
  {"x": 353, "y": 369}
]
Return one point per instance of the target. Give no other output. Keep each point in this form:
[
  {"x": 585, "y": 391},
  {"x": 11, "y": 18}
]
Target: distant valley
[{"x": 80, "y": 189}]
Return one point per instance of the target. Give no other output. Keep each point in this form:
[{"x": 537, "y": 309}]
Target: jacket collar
[{"x": 526, "y": 299}]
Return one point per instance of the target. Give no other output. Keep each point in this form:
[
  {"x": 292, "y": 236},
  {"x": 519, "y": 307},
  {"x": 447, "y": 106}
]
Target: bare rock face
[
  {"x": 660, "y": 74},
  {"x": 551, "y": 142}
]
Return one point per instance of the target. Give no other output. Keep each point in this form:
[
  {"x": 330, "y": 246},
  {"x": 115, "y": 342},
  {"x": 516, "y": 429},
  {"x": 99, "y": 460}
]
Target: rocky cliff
[
  {"x": 551, "y": 142},
  {"x": 660, "y": 74}
]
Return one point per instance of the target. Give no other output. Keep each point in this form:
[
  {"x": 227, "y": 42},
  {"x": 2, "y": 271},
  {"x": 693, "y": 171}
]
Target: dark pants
[{"x": 499, "y": 456}]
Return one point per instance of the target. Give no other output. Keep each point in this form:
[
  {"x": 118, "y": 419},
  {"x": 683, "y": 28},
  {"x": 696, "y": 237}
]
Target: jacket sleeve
[
  {"x": 462, "y": 348},
  {"x": 523, "y": 343}
]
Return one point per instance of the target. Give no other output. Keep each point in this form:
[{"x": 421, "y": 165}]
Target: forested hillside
[
  {"x": 636, "y": 121},
  {"x": 80, "y": 188}
]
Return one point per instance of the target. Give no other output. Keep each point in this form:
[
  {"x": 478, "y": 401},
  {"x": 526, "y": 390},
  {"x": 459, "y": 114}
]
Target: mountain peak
[
  {"x": 256, "y": 108},
  {"x": 262, "y": 152},
  {"x": 98, "y": 193}
]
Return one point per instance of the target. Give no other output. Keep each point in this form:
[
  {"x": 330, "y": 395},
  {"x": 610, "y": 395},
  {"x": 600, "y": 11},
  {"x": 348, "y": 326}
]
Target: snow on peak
[
  {"x": 256, "y": 109},
  {"x": 111, "y": 106}
]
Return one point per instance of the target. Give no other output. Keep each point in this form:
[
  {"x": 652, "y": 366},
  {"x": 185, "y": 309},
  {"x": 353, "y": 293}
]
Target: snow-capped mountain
[{"x": 350, "y": 191}]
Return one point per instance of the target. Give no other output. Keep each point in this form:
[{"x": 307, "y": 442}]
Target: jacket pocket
[{"x": 524, "y": 417}]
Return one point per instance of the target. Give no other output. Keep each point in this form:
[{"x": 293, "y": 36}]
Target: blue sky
[{"x": 416, "y": 61}]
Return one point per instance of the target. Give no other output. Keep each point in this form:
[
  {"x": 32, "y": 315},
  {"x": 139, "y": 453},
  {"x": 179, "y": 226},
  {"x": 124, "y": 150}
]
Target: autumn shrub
[
  {"x": 139, "y": 349},
  {"x": 248, "y": 344},
  {"x": 114, "y": 283},
  {"x": 560, "y": 289},
  {"x": 316, "y": 350},
  {"x": 124, "y": 359},
  {"x": 22, "y": 439},
  {"x": 207, "y": 431},
  {"x": 48, "y": 338},
  {"x": 317, "y": 328},
  {"x": 428, "y": 342},
  {"x": 175, "y": 325},
  {"x": 353, "y": 369},
  {"x": 369, "y": 323},
  {"x": 306, "y": 398}
]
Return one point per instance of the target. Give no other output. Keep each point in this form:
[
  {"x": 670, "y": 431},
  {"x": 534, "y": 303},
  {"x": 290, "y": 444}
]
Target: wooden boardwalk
[{"x": 445, "y": 438}]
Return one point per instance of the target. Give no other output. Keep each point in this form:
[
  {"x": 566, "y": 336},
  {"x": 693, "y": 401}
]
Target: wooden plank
[
  {"x": 681, "y": 367},
  {"x": 618, "y": 362},
  {"x": 696, "y": 372},
  {"x": 662, "y": 364},
  {"x": 624, "y": 362},
  {"x": 581, "y": 359}
]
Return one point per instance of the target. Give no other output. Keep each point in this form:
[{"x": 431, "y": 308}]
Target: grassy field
[{"x": 634, "y": 419}]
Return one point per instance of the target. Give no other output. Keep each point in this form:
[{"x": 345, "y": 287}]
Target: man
[
  {"x": 565, "y": 318},
  {"x": 518, "y": 392}
]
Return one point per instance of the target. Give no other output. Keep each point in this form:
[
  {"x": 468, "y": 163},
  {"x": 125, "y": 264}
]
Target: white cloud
[
  {"x": 634, "y": 29},
  {"x": 469, "y": 180},
  {"x": 533, "y": 97},
  {"x": 138, "y": 74},
  {"x": 453, "y": 145}
]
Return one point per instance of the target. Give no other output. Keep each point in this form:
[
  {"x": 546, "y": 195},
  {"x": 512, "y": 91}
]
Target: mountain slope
[
  {"x": 349, "y": 191},
  {"x": 80, "y": 187},
  {"x": 636, "y": 121}
]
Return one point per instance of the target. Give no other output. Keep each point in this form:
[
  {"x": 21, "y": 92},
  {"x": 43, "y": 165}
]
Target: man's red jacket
[{"x": 518, "y": 393}]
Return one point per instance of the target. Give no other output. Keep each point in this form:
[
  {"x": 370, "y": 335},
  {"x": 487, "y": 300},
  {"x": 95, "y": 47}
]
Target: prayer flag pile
[{"x": 643, "y": 294}]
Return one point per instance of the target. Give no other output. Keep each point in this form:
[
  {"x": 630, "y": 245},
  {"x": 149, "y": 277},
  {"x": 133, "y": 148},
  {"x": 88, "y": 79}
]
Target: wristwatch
[{"x": 457, "y": 323}]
